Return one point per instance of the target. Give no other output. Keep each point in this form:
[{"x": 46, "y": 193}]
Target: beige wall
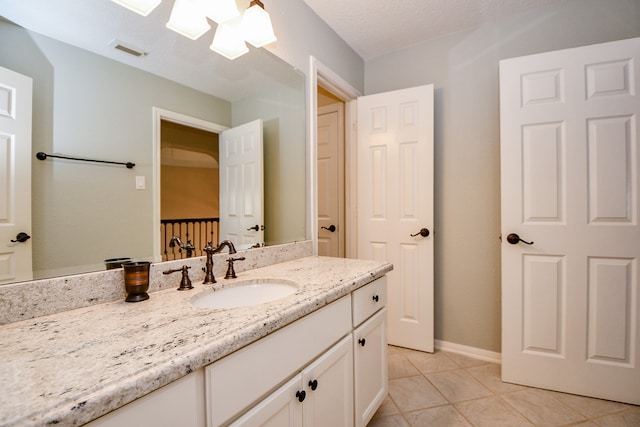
[
  {"x": 198, "y": 199},
  {"x": 464, "y": 69},
  {"x": 326, "y": 98},
  {"x": 189, "y": 181}
]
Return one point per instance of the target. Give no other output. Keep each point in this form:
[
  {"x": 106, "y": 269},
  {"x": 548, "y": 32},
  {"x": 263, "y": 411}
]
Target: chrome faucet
[
  {"x": 209, "y": 278},
  {"x": 188, "y": 247}
]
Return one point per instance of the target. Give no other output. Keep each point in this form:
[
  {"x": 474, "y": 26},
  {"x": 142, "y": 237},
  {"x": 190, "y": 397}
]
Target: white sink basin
[{"x": 245, "y": 293}]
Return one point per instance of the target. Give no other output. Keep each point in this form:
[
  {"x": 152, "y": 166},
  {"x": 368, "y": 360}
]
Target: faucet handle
[
  {"x": 185, "y": 283},
  {"x": 231, "y": 272}
]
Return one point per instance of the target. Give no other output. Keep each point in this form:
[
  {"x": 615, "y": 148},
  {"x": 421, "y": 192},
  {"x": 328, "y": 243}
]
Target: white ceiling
[{"x": 376, "y": 27}]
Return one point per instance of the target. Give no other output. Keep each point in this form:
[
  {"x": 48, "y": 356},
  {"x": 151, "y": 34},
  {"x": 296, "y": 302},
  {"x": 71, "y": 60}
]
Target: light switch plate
[{"x": 140, "y": 183}]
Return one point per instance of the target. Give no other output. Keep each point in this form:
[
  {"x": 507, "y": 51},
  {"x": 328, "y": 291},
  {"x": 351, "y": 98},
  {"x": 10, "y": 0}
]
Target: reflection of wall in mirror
[
  {"x": 284, "y": 159},
  {"x": 88, "y": 106},
  {"x": 189, "y": 172}
]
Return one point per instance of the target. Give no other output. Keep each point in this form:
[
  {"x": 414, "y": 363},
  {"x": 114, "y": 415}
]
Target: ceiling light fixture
[
  {"x": 256, "y": 25},
  {"x": 228, "y": 40},
  {"x": 189, "y": 18},
  {"x": 141, "y": 7}
]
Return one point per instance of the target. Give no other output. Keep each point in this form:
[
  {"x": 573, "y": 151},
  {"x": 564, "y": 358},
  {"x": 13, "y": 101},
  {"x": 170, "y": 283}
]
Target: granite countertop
[{"x": 72, "y": 367}]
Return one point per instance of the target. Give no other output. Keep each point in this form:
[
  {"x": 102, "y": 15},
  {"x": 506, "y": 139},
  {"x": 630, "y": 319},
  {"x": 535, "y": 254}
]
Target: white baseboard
[{"x": 476, "y": 353}]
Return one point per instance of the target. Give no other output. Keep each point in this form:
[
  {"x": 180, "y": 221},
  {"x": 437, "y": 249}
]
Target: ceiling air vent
[{"x": 127, "y": 48}]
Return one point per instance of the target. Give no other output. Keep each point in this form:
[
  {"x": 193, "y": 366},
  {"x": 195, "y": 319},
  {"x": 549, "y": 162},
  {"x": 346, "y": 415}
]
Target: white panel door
[
  {"x": 395, "y": 202},
  {"x": 15, "y": 176},
  {"x": 570, "y": 187},
  {"x": 241, "y": 185},
  {"x": 330, "y": 181}
]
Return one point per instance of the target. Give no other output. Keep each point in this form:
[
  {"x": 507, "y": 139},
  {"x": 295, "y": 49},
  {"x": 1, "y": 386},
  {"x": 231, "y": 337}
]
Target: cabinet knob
[
  {"x": 376, "y": 298},
  {"x": 301, "y": 394},
  {"x": 313, "y": 384},
  {"x": 362, "y": 341}
]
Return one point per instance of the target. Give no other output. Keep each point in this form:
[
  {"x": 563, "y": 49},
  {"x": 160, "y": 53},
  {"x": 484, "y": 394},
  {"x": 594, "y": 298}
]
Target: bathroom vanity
[{"x": 316, "y": 357}]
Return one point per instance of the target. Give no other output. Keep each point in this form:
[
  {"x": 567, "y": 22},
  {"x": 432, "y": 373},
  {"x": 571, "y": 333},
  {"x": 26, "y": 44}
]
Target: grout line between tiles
[{"x": 405, "y": 355}]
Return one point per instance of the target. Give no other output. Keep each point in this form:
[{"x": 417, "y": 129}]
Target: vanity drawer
[
  {"x": 237, "y": 381},
  {"x": 369, "y": 299}
]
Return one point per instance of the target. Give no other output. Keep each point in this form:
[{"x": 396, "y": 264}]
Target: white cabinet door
[
  {"x": 571, "y": 188},
  {"x": 231, "y": 388},
  {"x": 282, "y": 408},
  {"x": 322, "y": 395},
  {"x": 329, "y": 387},
  {"x": 370, "y": 367}
]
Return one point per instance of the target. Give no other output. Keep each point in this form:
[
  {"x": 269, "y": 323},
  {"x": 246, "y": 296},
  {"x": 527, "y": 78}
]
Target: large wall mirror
[{"x": 98, "y": 102}]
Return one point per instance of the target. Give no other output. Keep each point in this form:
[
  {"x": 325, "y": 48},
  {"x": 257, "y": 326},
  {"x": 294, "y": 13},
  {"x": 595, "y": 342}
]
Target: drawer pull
[
  {"x": 376, "y": 298},
  {"x": 301, "y": 394},
  {"x": 313, "y": 384},
  {"x": 362, "y": 341}
]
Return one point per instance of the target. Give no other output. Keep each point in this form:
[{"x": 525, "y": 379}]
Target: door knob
[
  {"x": 331, "y": 228},
  {"x": 254, "y": 228},
  {"x": 424, "y": 232},
  {"x": 21, "y": 238},
  {"x": 514, "y": 239}
]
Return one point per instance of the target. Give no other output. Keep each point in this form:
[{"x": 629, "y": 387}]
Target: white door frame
[
  {"x": 320, "y": 74},
  {"x": 160, "y": 114}
]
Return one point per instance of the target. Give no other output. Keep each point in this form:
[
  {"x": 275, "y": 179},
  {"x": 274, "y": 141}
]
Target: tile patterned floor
[{"x": 448, "y": 389}]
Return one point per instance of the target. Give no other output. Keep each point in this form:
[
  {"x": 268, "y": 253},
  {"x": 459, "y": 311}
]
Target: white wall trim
[
  {"x": 320, "y": 74},
  {"x": 312, "y": 155},
  {"x": 351, "y": 178},
  {"x": 473, "y": 352},
  {"x": 160, "y": 114}
]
